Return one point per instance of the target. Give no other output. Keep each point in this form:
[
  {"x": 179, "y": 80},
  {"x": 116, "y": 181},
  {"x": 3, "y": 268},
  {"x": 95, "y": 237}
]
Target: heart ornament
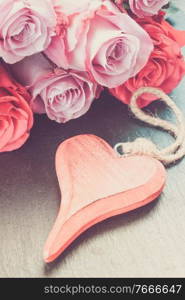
[{"x": 96, "y": 183}]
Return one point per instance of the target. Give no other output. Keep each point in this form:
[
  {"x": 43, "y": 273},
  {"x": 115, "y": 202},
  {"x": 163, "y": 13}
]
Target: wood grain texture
[{"x": 146, "y": 242}]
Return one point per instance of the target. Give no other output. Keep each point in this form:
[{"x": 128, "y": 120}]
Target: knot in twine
[
  {"x": 140, "y": 146},
  {"x": 143, "y": 146}
]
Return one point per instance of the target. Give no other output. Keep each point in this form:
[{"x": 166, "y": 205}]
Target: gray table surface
[{"x": 147, "y": 242}]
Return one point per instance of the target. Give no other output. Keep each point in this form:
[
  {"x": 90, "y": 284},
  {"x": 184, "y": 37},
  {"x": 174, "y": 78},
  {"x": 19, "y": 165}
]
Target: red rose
[
  {"x": 166, "y": 65},
  {"x": 16, "y": 117}
]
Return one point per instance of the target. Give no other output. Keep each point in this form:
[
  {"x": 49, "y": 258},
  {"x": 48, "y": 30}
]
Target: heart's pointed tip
[
  {"x": 48, "y": 256},
  {"x": 52, "y": 249}
]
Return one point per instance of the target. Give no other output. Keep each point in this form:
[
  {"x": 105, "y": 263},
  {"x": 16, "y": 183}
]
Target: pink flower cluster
[
  {"x": 92, "y": 46},
  {"x": 143, "y": 8},
  {"x": 65, "y": 52}
]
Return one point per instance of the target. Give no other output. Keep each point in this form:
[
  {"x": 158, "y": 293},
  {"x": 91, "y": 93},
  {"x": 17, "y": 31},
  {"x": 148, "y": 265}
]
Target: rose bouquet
[{"x": 64, "y": 53}]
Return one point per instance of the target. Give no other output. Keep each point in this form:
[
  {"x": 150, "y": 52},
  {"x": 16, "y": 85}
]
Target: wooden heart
[{"x": 97, "y": 184}]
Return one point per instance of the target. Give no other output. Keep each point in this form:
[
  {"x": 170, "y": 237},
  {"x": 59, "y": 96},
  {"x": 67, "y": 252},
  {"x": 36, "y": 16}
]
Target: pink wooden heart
[{"x": 97, "y": 184}]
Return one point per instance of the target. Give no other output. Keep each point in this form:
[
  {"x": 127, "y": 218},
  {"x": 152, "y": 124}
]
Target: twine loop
[{"x": 143, "y": 146}]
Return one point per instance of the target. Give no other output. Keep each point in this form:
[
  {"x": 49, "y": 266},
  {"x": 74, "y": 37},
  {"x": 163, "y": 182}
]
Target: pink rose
[
  {"x": 16, "y": 117},
  {"x": 62, "y": 95},
  {"x": 102, "y": 41},
  {"x": 142, "y": 8},
  {"x": 166, "y": 66},
  {"x": 26, "y": 27}
]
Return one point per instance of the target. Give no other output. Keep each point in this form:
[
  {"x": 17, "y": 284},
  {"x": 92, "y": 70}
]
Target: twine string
[{"x": 143, "y": 146}]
